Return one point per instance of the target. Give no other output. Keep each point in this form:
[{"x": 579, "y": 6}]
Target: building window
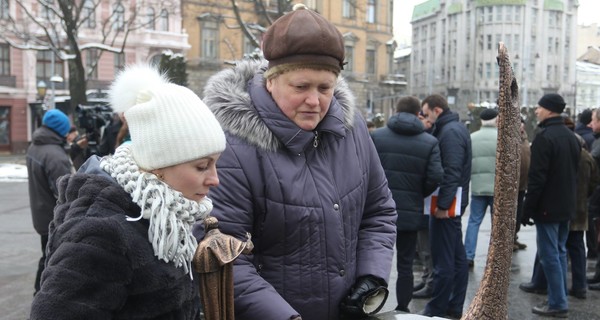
[
  {"x": 91, "y": 60},
  {"x": 89, "y": 14},
  {"x": 4, "y": 59},
  {"x": 517, "y": 43},
  {"x": 490, "y": 14},
  {"x": 509, "y": 13},
  {"x": 209, "y": 41},
  {"x": 499, "y": 13},
  {"x": 4, "y": 127},
  {"x": 489, "y": 42},
  {"x": 517, "y": 13},
  {"x": 43, "y": 66},
  {"x": 46, "y": 11},
  {"x": 371, "y": 12},
  {"x": 348, "y": 9},
  {"x": 488, "y": 70},
  {"x": 119, "y": 17},
  {"x": 4, "y": 9},
  {"x": 163, "y": 21},
  {"x": 119, "y": 62},
  {"x": 550, "y": 40},
  {"x": 370, "y": 61},
  {"x": 349, "y": 66},
  {"x": 248, "y": 46},
  {"x": 149, "y": 23}
]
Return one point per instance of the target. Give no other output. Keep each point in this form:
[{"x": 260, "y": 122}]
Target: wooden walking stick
[
  {"x": 213, "y": 260},
  {"x": 491, "y": 300}
]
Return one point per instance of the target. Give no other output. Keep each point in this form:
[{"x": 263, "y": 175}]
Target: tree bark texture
[{"x": 491, "y": 299}]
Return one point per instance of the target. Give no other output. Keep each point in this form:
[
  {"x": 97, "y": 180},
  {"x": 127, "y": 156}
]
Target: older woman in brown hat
[{"x": 301, "y": 174}]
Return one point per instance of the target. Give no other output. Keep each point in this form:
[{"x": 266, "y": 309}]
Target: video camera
[{"x": 93, "y": 119}]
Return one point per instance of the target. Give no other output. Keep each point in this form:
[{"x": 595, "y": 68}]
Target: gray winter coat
[
  {"x": 47, "y": 160},
  {"x": 316, "y": 203}
]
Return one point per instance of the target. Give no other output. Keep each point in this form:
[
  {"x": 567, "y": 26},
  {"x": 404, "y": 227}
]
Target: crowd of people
[{"x": 326, "y": 198}]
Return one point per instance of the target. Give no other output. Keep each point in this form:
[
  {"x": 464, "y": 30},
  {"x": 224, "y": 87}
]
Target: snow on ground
[{"x": 10, "y": 172}]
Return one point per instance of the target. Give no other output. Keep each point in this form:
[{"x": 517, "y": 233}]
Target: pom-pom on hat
[
  {"x": 57, "y": 121},
  {"x": 168, "y": 123},
  {"x": 303, "y": 39},
  {"x": 553, "y": 102},
  {"x": 488, "y": 114}
]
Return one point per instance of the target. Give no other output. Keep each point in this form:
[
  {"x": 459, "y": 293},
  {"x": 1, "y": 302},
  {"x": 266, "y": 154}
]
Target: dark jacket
[
  {"x": 455, "y": 147},
  {"x": 412, "y": 164},
  {"x": 101, "y": 266},
  {"x": 316, "y": 203},
  {"x": 47, "y": 160},
  {"x": 552, "y": 186},
  {"x": 586, "y": 133}
]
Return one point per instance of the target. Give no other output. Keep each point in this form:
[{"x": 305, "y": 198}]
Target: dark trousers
[
  {"x": 406, "y": 245},
  {"x": 520, "y": 199},
  {"x": 41, "y": 263},
  {"x": 576, "y": 252},
  {"x": 450, "y": 268},
  {"x": 590, "y": 238}
]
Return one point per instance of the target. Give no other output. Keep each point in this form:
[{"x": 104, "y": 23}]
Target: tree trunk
[{"x": 491, "y": 300}]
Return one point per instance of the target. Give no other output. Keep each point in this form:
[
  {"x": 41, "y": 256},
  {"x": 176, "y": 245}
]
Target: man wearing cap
[
  {"x": 483, "y": 173},
  {"x": 47, "y": 160},
  {"x": 551, "y": 198}
]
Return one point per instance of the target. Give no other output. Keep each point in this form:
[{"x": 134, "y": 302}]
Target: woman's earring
[{"x": 159, "y": 176}]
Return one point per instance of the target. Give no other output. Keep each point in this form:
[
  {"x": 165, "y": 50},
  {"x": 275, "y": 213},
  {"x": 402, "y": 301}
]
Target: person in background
[
  {"x": 587, "y": 180},
  {"x": 121, "y": 244},
  {"x": 451, "y": 271},
  {"x": 76, "y": 147},
  {"x": 413, "y": 167},
  {"x": 302, "y": 176},
  {"x": 583, "y": 129},
  {"x": 594, "y": 202},
  {"x": 46, "y": 160},
  {"x": 523, "y": 172},
  {"x": 483, "y": 173},
  {"x": 551, "y": 198}
]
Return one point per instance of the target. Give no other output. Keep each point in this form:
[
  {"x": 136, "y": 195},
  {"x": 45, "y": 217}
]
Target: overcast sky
[{"x": 588, "y": 13}]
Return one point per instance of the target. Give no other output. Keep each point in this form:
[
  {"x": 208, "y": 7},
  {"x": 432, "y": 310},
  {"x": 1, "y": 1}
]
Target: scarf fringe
[{"x": 171, "y": 215}]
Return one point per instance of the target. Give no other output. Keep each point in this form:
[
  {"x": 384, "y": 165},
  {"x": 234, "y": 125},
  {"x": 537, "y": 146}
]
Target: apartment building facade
[
  {"x": 455, "y": 45},
  {"x": 152, "y": 28},
  {"x": 217, "y": 41}
]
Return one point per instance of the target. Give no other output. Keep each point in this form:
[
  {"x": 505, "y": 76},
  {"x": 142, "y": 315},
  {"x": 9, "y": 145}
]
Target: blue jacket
[
  {"x": 412, "y": 164},
  {"x": 455, "y": 147},
  {"x": 317, "y": 204}
]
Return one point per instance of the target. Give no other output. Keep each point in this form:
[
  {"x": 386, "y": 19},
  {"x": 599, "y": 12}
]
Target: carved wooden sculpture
[
  {"x": 491, "y": 300},
  {"x": 213, "y": 260}
]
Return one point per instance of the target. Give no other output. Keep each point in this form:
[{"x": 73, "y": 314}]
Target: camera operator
[{"x": 77, "y": 147}]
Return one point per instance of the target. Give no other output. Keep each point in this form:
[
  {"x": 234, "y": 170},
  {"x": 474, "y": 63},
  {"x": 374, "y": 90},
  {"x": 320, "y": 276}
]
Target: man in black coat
[
  {"x": 451, "y": 272},
  {"x": 551, "y": 198},
  {"x": 413, "y": 167}
]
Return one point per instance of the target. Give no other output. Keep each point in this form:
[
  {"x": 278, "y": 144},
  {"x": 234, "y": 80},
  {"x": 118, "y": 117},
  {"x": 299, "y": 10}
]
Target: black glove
[
  {"x": 366, "y": 297},
  {"x": 526, "y": 220}
]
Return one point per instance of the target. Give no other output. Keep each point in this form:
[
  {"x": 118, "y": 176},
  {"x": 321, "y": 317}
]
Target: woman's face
[
  {"x": 303, "y": 95},
  {"x": 194, "y": 178}
]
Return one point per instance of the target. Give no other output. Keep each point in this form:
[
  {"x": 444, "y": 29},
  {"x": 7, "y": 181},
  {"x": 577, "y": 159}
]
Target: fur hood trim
[{"x": 226, "y": 94}]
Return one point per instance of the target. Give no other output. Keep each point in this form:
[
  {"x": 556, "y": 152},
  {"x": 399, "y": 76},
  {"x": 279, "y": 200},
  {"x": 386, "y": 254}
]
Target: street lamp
[
  {"x": 41, "y": 90},
  {"x": 53, "y": 80}
]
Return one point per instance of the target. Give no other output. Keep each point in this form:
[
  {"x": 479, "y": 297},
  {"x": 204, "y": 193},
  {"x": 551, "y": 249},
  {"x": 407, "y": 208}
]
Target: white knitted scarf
[{"x": 171, "y": 215}]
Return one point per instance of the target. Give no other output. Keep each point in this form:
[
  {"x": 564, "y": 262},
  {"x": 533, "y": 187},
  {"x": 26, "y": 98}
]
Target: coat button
[
  {"x": 336, "y": 207},
  {"x": 342, "y": 272}
]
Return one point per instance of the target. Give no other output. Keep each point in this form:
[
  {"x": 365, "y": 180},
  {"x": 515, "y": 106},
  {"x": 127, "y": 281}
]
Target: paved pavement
[{"x": 19, "y": 254}]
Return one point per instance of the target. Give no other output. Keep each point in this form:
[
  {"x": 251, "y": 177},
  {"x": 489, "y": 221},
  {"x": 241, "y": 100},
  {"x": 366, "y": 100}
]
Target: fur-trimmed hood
[{"x": 228, "y": 95}]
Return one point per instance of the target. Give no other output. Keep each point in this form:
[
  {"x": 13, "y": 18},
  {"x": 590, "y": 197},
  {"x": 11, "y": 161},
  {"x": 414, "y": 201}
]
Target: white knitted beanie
[{"x": 168, "y": 123}]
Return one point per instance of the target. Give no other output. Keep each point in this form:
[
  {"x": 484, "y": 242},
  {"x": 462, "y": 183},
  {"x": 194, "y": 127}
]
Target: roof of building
[{"x": 592, "y": 55}]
